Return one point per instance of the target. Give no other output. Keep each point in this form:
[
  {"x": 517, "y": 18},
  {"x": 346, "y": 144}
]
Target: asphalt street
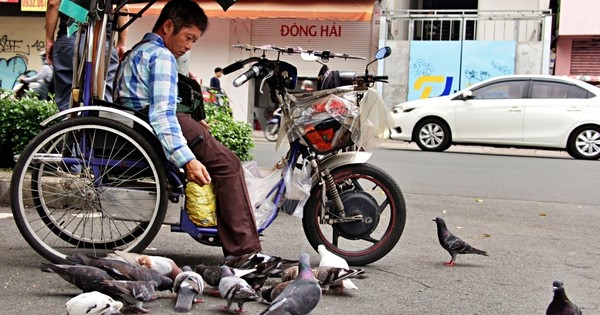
[{"x": 530, "y": 242}]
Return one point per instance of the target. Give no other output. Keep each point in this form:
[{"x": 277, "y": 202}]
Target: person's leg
[
  {"x": 235, "y": 215},
  {"x": 62, "y": 61}
]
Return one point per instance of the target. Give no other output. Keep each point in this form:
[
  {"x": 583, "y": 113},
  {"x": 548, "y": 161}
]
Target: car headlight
[{"x": 402, "y": 109}]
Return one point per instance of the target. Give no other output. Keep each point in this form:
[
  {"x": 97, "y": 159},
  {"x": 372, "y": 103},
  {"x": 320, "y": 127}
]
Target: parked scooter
[{"x": 272, "y": 127}]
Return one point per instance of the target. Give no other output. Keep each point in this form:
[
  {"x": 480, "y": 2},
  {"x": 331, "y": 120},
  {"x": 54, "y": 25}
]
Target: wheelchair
[{"x": 96, "y": 178}]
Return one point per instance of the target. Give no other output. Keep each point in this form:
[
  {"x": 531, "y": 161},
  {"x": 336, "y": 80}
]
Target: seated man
[{"x": 148, "y": 78}]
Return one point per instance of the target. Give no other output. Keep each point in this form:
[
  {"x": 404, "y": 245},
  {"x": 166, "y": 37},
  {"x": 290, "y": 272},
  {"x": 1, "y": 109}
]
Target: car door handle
[
  {"x": 573, "y": 109},
  {"x": 515, "y": 109}
]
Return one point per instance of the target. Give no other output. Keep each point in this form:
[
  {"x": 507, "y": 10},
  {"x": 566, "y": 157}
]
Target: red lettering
[{"x": 285, "y": 30}]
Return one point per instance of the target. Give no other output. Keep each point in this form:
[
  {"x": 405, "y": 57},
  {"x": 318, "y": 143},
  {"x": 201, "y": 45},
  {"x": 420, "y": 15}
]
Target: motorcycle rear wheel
[{"x": 366, "y": 190}]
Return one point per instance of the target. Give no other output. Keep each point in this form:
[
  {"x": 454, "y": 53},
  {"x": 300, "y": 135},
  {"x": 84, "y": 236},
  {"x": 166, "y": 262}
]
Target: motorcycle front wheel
[
  {"x": 271, "y": 131},
  {"x": 365, "y": 190}
]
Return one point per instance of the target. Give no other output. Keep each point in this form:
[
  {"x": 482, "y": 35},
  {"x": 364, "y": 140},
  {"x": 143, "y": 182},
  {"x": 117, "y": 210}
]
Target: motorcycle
[
  {"x": 354, "y": 208},
  {"x": 272, "y": 126}
]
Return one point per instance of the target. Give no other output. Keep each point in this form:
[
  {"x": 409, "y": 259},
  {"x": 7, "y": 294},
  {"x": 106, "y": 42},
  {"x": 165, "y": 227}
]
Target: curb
[{"x": 258, "y": 136}]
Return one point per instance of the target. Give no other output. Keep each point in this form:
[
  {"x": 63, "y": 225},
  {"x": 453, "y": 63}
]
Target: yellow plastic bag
[{"x": 201, "y": 204}]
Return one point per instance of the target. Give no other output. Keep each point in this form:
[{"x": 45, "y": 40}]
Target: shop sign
[
  {"x": 298, "y": 30},
  {"x": 33, "y": 5}
]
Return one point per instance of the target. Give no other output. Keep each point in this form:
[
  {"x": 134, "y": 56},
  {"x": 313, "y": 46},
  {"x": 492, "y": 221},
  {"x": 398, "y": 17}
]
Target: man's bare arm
[{"x": 51, "y": 22}]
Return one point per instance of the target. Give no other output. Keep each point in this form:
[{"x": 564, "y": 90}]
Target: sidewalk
[{"x": 258, "y": 136}]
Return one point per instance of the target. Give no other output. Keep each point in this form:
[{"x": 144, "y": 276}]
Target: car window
[
  {"x": 501, "y": 90},
  {"x": 546, "y": 89}
]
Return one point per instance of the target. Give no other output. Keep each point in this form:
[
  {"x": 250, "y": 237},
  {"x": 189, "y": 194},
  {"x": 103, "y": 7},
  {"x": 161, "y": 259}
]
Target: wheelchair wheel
[{"x": 91, "y": 185}]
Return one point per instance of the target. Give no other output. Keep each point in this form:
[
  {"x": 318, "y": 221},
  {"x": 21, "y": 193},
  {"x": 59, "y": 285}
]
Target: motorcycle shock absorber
[{"x": 333, "y": 192}]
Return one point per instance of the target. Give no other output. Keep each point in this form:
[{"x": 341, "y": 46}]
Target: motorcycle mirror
[
  {"x": 383, "y": 53},
  {"x": 308, "y": 56},
  {"x": 380, "y": 54}
]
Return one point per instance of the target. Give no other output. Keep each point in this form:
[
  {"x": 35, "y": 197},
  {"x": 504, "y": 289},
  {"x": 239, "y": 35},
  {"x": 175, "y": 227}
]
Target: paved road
[{"x": 531, "y": 242}]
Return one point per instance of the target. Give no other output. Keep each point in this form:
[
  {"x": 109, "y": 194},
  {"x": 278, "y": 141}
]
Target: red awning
[{"x": 345, "y": 10}]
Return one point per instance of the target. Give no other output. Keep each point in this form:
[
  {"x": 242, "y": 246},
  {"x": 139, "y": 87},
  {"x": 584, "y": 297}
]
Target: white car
[{"x": 538, "y": 111}]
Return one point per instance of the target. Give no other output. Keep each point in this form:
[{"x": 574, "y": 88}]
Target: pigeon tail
[{"x": 477, "y": 252}]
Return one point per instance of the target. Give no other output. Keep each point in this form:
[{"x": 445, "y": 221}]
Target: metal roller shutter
[
  {"x": 347, "y": 37},
  {"x": 585, "y": 57}
]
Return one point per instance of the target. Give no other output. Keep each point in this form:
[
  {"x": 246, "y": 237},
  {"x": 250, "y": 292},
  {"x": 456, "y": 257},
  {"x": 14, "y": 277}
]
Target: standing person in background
[
  {"x": 214, "y": 81},
  {"x": 60, "y": 54}
]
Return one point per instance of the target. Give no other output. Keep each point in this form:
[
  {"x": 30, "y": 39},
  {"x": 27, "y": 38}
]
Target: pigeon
[
  {"x": 259, "y": 261},
  {"x": 86, "y": 278},
  {"x": 121, "y": 270},
  {"x": 452, "y": 243},
  {"x": 212, "y": 274},
  {"x": 134, "y": 293},
  {"x": 561, "y": 305},
  {"x": 165, "y": 266},
  {"x": 327, "y": 276},
  {"x": 235, "y": 289},
  {"x": 270, "y": 294},
  {"x": 301, "y": 296},
  {"x": 330, "y": 259},
  {"x": 188, "y": 284},
  {"x": 93, "y": 303}
]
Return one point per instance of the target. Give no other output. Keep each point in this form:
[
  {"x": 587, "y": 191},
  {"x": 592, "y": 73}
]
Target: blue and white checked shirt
[{"x": 148, "y": 77}]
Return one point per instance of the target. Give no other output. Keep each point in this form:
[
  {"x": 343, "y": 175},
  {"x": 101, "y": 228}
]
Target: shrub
[
  {"x": 235, "y": 135},
  {"x": 20, "y": 119}
]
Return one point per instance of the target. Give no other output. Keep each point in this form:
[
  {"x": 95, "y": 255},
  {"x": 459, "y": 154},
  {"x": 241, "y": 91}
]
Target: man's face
[{"x": 181, "y": 42}]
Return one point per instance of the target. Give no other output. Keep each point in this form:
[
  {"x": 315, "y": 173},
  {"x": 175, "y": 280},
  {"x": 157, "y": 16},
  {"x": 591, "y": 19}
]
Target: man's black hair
[
  {"x": 218, "y": 69},
  {"x": 183, "y": 13}
]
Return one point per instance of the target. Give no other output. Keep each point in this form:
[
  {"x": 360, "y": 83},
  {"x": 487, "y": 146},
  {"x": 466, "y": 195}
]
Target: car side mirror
[{"x": 466, "y": 95}]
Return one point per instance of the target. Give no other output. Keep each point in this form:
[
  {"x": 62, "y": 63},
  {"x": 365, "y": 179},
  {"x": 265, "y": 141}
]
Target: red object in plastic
[{"x": 321, "y": 139}]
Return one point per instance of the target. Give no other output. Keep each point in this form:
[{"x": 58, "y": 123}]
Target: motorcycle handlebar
[
  {"x": 233, "y": 67},
  {"x": 251, "y": 73}
]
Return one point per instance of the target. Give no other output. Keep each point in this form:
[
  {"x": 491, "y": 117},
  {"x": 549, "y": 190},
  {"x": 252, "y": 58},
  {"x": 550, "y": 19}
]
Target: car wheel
[
  {"x": 584, "y": 143},
  {"x": 432, "y": 135}
]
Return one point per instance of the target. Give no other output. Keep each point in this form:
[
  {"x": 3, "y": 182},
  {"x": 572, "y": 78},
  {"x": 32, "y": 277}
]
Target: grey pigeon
[
  {"x": 86, "y": 278},
  {"x": 299, "y": 297},
  {"x": 122, "y": 270},
  {"x": 452, "y": 243},
  {"x": 134, "y": 293},
  {"x": 93, "y": 303},
  {"x": 235, "y": 289},
  {"x": 188, "y": 284},
  {"x": 561, "y": 305},
  {"x": 212, "y": 274},
  {"x": 328, "y": 277},
  {"x": 270, "y": 294}
]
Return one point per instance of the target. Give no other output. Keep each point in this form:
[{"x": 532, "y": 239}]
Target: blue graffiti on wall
[{"x": 11, "y": 70}]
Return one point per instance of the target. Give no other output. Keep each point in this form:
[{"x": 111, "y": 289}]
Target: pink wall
[
  {"x": 579, "y": 17},
  {"x": 562, "y": 64}
]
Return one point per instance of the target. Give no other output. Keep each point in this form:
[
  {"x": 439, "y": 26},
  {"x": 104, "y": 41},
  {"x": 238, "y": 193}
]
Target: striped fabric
[{"x": 148, "y": 77}]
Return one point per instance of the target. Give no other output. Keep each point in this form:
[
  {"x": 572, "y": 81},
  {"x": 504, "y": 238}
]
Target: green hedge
[
  {"x": 235, "y": 135},
  {"x": 20, "y": 120}
]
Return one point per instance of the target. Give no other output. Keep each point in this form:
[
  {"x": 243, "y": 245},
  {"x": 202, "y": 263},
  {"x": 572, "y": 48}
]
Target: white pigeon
[
  {"x": 330, "y": 259},
  {"x": 93, "y": 303},
  {"x": 165, "y": 266}
]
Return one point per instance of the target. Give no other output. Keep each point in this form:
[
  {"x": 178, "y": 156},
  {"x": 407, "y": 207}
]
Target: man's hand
[
  {"x": 49, "y": 46},
  {"x": 197, "y": 173},
  {"x": 204, "y": 123},
  {"x": 121, "y": 50}
]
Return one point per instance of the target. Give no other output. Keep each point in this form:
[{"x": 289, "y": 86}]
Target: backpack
[{"x": 189, "y": 97}]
